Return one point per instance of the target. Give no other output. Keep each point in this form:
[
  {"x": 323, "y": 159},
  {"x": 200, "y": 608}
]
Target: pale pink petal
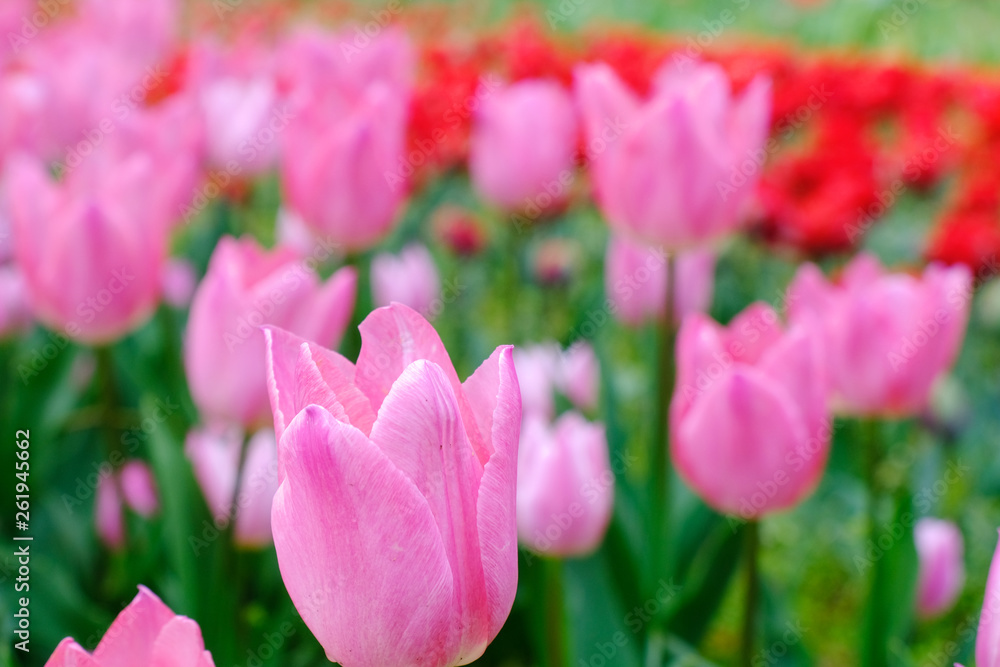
[
  {"x": 129, "y": 640},
  {"x": 70, "y": 654},
  {"x": 359, "y": 551},
  {"x": 178, "y": 645}
]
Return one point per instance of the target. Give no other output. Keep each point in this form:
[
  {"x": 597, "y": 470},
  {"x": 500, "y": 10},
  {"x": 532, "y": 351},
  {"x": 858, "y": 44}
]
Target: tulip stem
[
  {"x": 108, "y": 388},
  {"x": 752, "y": 601},
  {"x": 555, "y": 613},
  {"x": 660, "y": 459}
]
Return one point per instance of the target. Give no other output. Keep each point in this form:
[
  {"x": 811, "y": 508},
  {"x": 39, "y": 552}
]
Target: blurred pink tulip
[
  {"x": 888, "y": 337},
  {"x": 523, "y": 142},
  {"x": 15, "y": 315},
  {"x": 139, "y": 488},
  {"x": 579, "y": 377},
  {"x": 91, "y": 252},
  {"x": 665, "y": 170},
  {"x": 409, "y": 278},
  {"x": 635, "y": 280},
  {"x": 215, "y": 458},
  {"x": 565, "y": 486},
  {"x": 246, "y": 287},
  {"x": 342, "y": 156},
  {"x": 144, "y": 31},
  {"x": 940, "y": 552},
  {"x": 23, "y": 98},
  {"x": 390, "y": 468},
  {"x": 108, "y": 518},
  {"x": 146, "y": 632},
  {"x": 179, "y": 281},
  {"x": 750, "y": 430},
  {"x": 988, "y": 635},
  {"x": 537, "y": 369}
]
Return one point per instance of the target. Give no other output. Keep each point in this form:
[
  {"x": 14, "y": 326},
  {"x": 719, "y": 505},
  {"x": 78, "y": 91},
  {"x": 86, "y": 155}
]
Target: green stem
[
  {"x": 108, "y": 387},
  {"x": 555, "y": 613},
  {"x": 751, "y": 549},
  {"x": 661, "y": 473},
  {"x": 350, "y": 345}
]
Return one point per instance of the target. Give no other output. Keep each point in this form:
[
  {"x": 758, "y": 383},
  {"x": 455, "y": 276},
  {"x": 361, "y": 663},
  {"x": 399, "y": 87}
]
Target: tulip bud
[
  {"x": 565, "y": 487},
  {"x": 522, "y": 145},
  {"x": 139, "y": 488},
  {"x": 108, "y": 517},
  {"x": 750, "y": 430},
  {"x": 146, "y": 632},
  {"x": 888, "y": 337},
  {"x": 940, "y": 552},
  {"x": 409, "y": 278},
  {"x": 245, "y": 288},
  {"x": 671, "y": 170}
]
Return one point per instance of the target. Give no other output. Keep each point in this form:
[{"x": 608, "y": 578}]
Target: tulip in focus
[
  {"x": 394, "y": 522},
  {"x": 215, "y": 457},
  {"x": 409, "y": 278},
  {"x": 565, "y": 487},
  {"x": 667, "y": 168},
  {"x": 245, "y": 288},
  {"x": 146, "y": 632},
  {"x": 635, "y": 281},
  {"x": 750, "y": 430},
  {"x": 90, "y": 252},
  {"x": 888, "y": 337},
  {"x": 940, "y": 552},
  {"x": 523, "y": 142}
]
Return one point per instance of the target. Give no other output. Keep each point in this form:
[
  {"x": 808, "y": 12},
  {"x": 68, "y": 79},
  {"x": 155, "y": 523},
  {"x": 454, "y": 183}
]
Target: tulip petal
[
  {"x": 359, "y": 551},
  {"x": 179, "y": 645},
  {"x": 420, "y": 429},
  {"x": 988, "y": 638},
  {"x": 498, "y": 489},
  {"x": 129, "y": 640},
  {"x": 70, "y": 654}
]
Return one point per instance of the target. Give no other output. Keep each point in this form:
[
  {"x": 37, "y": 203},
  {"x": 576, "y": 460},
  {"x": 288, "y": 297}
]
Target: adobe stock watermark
[
  {"x": 293, "y": 278},
  {"x": 923, "y": 500},
  {"x": 635, "y": 620},
  {"x": 755, "y": 159},
  {"x": 695, "y": 45},
  {"x": 250, "y": 488},
  {"x": 589, "y": 493},
  {"x": 928, "y": 328},
  {"x": 944, "y": 140},
  {"x": 555, "y": 190},
  {"x": 33, "y": 23},
  {"x": 252, "y": 146},
  {"x": 424, "y": 149},
  {"x": 121, "y": 108},
  {"x": 901, "y": 14},
  {"x": 130, "y": 441},
  {"x": 88, "y": 310},
  {"x": 773, "y": 654}
]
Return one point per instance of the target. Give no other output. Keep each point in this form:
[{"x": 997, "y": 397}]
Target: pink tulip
[
  {"x": 537, "y": 368},
  {"x": 394, "y": 522},
  {"x": 522, "y": 146},
  {"x": 940, "y": 552},
  {"x": 139, "y": 488},
  {"x": 91, "y": 251},
  {"x": 342, "y": 155},
  {"x": 179, "y": 281},
  {"x": 15, "y": 315},
  {"x": 635, "y": 281},
  {"x": 988, "y": 636},
  {"x": 565, "y": 487},
  {"x": 246, "y": 287},
  {"x": 750, "y": 431},
  {"x": 409, "y": 278},
  {"x": 145, "y": 32},
  {"x": 579, "y": 376},
  {"x": 215, "y": 458},
  {"x": 888, "y": 337},
  {"x": 667, "y": 169},
  {"x": 146, "y": 632},
  {"x": 108, "y": 518},
  {"x": 22, "y": 97}
]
